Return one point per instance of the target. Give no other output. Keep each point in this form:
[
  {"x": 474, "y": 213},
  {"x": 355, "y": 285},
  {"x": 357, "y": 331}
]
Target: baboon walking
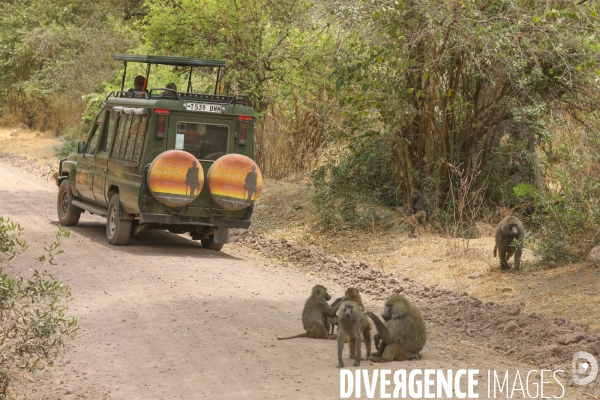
[
  {"x": 315, "y": 313},
  {"x": 509, "y": 230},
  {"x": 352, "y": 294},
  {"x": 403, "y": 335},
  {"x": 353, "y": 327}
]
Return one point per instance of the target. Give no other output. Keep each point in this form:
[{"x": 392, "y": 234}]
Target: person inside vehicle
[
  {"x": 139, "y": 86},
  {"x": 169, "y": 93}
]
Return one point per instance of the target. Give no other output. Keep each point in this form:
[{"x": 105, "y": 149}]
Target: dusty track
[{"x": 164, "y": 318}]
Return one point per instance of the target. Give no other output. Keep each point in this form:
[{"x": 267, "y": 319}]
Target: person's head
[
  {"x": 139, "y": 82},
  {"x": 171, "y": 86},
  {"x": 194, "y": 163},
  {"x": 253, "y": 168}
]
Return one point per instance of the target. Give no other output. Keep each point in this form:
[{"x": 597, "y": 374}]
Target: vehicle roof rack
[{"x": 168, "y": 60}]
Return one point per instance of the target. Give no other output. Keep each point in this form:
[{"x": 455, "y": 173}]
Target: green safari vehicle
[{"x": 165, "y": 159}]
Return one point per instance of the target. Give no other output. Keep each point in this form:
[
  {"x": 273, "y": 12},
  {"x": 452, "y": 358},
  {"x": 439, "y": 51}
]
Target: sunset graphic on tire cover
[
  {"x": 234, "y": 181},
  {"x": 175, "y": 178}
]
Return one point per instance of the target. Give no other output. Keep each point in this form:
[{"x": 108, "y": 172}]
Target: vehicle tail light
[
  {"x": 162, "y": 122},
  {"x": 243, "y": 133}
]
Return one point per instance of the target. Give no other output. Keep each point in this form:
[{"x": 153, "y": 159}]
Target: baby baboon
[
  {"x": 417, "y": 201},
  {"x": 315, "y": 313},
  {"x": 415, "y": 221},
  {"x": 419, "y": 217},
  {"x": 403, "y": 335},
  {"x": 509, "y": 230},
  {"x": 352, "y": 294},
  {"x": 55, "y": 176},
  {"x": 353, "y": 327},
  {"x": 332, "y": 322}
]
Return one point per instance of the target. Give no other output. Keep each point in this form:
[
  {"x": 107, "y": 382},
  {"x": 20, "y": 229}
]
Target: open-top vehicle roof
[
  {"x": 173, "y": 61},
  {"x": 168, "y": 60}
]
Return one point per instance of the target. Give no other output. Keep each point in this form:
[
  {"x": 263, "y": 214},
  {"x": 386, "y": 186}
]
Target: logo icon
[{"x": 580, "y": 367}]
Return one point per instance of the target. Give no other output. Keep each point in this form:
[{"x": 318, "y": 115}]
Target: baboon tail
[
  {"x": 305, "y": 334},
  {"x": 495, "y": 248}
]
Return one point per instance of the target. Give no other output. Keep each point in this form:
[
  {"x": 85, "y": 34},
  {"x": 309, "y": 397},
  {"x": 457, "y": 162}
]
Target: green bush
[
  {"x": 10, "y": 243},
  {"x": 69, "y": 138},
  {"x": 53, "y": 53},
  {"x": 566, "y": 223},
  {"x": 347, "y": 189},
  {"x": 34, "y": 320}
]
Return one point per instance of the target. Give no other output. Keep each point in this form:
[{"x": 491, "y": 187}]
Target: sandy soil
[
  {"x": 34, "y": 145},
  {"x": 164, "y": 318}
]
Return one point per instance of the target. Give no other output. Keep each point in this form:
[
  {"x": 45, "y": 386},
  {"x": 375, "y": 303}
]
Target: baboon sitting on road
[
  {"x": 403, "y": 335},
  {"x": 507, "y": 232},
  {"x": 353, "y": 326},
  {"x": 315, "y": 313}
]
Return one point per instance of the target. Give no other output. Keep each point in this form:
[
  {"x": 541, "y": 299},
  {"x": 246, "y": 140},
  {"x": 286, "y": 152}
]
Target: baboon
[
  {"x": 416, "y": 220},
  {"x": 403, "y": 335},
  {"x": 508, "y": 231},
  {"x": 417, "y": 201},
  {"x": 353, "y": 327},
  {"x": 352, "y": 294},
  {"x": 55, "y": 176},
  {"x": 332, "y": 322},
  {"x": 420, "y": 216},
  {"x": 315, "y": 313}
]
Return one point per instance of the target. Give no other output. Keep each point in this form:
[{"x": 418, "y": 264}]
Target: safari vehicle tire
[
  {"x": 118, "y": 230},
  {"x": 209, "y": 243},
  {"x": 66, "y": 217}
]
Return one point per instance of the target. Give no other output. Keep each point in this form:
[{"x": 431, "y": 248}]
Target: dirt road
[{"x": 165, "y": 319}]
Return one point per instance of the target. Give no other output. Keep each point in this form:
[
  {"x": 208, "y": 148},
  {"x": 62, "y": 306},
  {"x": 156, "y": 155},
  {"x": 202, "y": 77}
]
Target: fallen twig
[
  {"x": 469, "y": 331},
  {"x": 590, "y": 395}
]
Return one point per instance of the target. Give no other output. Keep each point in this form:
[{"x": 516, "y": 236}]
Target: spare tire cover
[
  {"x": 175, "y": 178},
  {"x": 234, "y": 181}
]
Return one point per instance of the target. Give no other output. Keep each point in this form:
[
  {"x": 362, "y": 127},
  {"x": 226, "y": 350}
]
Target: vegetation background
[{"x": 486, "y": 106}]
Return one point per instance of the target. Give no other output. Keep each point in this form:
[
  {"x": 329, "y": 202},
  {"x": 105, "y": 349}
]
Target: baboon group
[
  {"x": 509, "y": 232},
  {"x": 401, "y": 337}
]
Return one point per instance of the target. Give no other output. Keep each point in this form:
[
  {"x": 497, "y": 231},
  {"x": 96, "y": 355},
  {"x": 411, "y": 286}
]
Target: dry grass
[
  {"x": 291, "y": 136},
  {"x": 34, "y": 145},
  {"x": 573, "y": 291},
  {"x": 58, "y": 113}
]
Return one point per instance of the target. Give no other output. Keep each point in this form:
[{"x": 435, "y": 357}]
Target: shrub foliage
[{"x": 34, "y": 319}]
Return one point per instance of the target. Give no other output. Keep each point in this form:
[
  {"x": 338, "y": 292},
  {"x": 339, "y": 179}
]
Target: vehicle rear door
[{"x": 205, "y": 136}]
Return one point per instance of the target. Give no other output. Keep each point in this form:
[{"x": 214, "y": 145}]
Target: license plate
[{"x": 216, "y": 108}]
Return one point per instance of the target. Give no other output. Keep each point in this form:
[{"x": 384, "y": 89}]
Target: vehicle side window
[
  {"x": 135, "y": 123},
  {"x": 119, "y": 135},
  {"x": 93, "y": 140},
  {"x": 112, "y": 118},
  {"x": 129, "y": 138},
  {"x": 126, "y": 128},
  {"x": 139, "y": 141}
]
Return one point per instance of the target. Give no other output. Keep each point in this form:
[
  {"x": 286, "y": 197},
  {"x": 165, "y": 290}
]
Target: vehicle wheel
[
  {"x": 209, "y": 243},
  {"x": 118, "y": 230},
  {"x": 66, "y": 217}
]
